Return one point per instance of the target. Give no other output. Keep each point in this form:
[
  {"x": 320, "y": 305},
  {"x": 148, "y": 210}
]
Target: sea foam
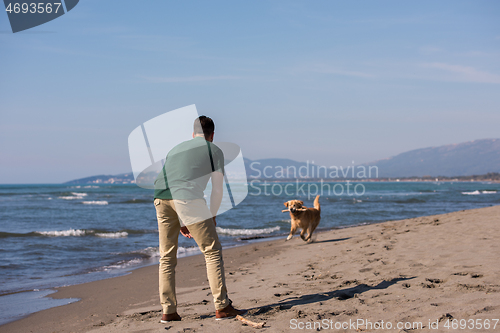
[
  {"x": 150, "y": 252},
  {"x": 81, "y": 232},
  {"x": 73, "y": 196},
  {"x": 477, "y": 192},
  {"x": 112, "y": 234},
  {"x": 472, "y": 193},
  {"x": 147, "y": 254},
  {"x": 123, "y": 264},
  {"x": 64, "y": 233},
  {"x": 247, "y": 232},
  {"x": 187, "y": 251}
]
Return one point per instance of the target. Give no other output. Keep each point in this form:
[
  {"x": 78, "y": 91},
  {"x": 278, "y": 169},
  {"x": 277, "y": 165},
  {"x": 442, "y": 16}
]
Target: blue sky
[{"x": 324, "y": 81}]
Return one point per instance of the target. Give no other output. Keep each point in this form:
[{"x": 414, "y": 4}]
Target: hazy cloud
[
  {"x": 480, "y": 54},
  {"x": 189, "y": 78},
  {"x": 428, "y": 50},
  {"x": 324, "y": 69},
  {"x": 463, "y": 73}
]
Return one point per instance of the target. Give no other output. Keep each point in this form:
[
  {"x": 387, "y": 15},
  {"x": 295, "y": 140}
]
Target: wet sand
[{"x": 424, "y": 270}]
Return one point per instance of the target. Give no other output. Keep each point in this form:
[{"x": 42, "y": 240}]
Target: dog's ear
[
  {"x": 301, "y": 203},
  {"x": 286, "y": 204}
]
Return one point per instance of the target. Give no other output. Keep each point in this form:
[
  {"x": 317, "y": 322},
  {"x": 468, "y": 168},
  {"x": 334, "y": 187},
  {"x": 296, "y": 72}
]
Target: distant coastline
[
  {"x": 477, "y": 160},
  {"x": 127, "y": 178},
  {"x": 124, "y": 178}
]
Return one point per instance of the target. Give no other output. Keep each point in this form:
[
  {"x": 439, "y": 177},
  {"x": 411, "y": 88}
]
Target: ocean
[{"x": 58, "y": 235}]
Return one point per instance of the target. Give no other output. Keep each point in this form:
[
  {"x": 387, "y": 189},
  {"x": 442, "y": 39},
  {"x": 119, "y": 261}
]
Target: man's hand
[{"x": 185, "y": 232}]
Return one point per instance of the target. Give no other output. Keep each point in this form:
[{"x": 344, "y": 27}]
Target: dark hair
[{"x": 207, "y": 126}]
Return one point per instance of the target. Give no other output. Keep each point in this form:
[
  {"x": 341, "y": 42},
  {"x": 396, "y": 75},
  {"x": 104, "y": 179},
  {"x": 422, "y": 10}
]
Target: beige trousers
[{"x": 205, "y": 235}]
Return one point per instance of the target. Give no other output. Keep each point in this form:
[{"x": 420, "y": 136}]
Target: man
[{"x": 180, "y": 207}]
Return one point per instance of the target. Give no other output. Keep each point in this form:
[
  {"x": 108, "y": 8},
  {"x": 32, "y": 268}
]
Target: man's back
[{"x": 187, "y": 170}]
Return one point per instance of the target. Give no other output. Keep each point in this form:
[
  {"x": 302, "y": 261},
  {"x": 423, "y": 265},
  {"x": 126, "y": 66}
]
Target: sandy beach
[{"x": 418, "y": 272}]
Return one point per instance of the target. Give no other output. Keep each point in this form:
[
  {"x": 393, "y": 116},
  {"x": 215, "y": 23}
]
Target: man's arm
[{"x": 217, "y": 192}]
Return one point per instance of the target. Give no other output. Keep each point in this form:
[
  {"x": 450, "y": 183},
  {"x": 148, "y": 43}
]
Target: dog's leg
[
  {"x": 309, "y": 239},
  {"x": 310, "y": 232},
  {"x": 302, "y": 234},
  {"x": 292, "y": 231}
]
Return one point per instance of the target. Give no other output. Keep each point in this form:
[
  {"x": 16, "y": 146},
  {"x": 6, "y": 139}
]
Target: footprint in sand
[
  {"x": 283, "y": 294},
  {"x": 445, "y": 317},
  {"x": 470, "y": 287},
  {"x": 486, "y": 309},
  {"x": 351, "y": 312}
]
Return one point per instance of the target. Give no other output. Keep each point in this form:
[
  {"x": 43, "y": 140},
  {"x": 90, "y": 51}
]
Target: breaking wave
[
  {"x": 62, "y": 233},
  {"x": 477, "y": 192},
  {"x": 73, "y": 196},
  {"x": 140, "y": 257},
  {"x": 102, "y": 202},
  {"x": 78, "y": 233},
  {"x": 81, "y": 232},
  {"x": 112, "y": 234},
  {"x": 247, "y": 232}
]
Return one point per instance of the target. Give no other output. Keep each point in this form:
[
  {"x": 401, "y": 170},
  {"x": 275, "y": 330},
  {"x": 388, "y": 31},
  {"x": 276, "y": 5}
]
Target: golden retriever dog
[{"x": 302, "y": 217}]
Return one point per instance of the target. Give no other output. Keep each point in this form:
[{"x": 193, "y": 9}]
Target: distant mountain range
[
  {"x": 469, "y": 158},
  {"x": 464, "y": 159}
]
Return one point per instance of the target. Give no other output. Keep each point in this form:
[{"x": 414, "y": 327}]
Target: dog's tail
[{"x": 316, "y": 203}]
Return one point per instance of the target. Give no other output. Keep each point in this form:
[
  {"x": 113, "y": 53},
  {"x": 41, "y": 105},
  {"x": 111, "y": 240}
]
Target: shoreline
[
  {"x": 46, "y": 298},
  {"x": 147, "y": 275},
  {"x": 194, "y": 251},
  {"x": 121, "y": 272},
  {"x": 118, "y": 301}
]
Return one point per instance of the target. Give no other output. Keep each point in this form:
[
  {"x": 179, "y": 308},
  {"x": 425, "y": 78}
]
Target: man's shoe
[
  {"x": 228, "y": 312},
  {"x": 170, "y": 317}
]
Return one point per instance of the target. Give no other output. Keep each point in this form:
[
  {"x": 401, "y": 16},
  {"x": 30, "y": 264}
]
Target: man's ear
[{"x": 286, "y": 204}]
